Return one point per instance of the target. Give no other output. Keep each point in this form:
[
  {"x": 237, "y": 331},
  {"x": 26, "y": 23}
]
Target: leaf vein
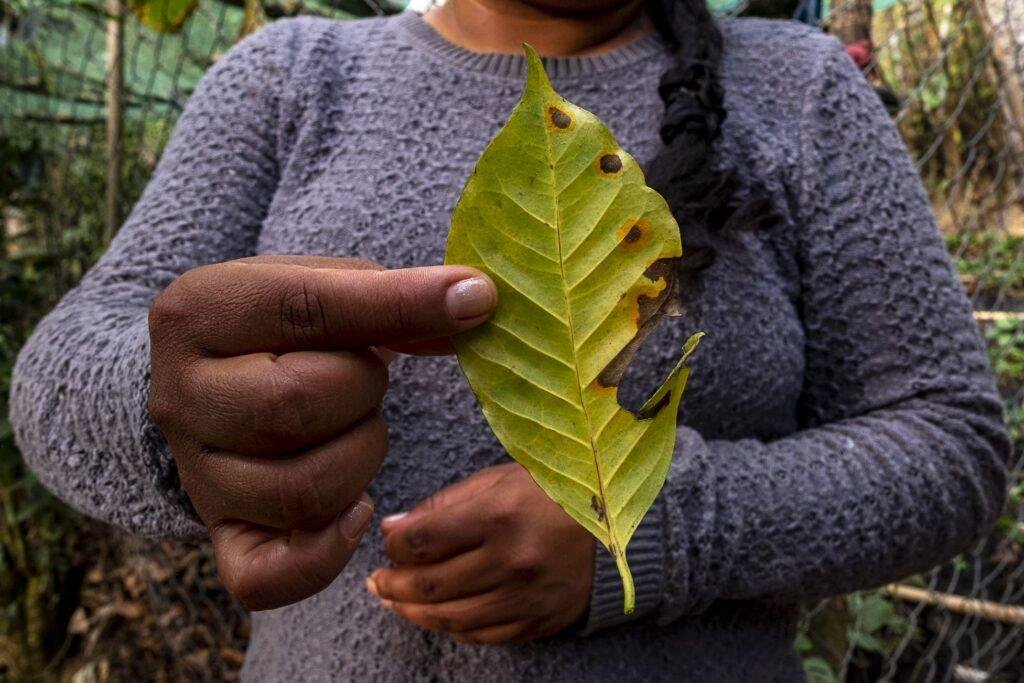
[{"x": 535, "y": 421}]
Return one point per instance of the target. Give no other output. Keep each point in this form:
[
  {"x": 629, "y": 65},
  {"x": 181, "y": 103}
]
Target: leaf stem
[{"x": 628, "y": 591}]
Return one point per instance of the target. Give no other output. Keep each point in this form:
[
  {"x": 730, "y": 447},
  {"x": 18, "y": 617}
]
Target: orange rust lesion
[
  {"x": 558, "y": 118},
  {"x": 599, "y": 389},
  {"x": 633, "y": 234},
  {"x": 644, "y": 291}
]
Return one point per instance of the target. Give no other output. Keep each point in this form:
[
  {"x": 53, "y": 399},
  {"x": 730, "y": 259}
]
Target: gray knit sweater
[{"x": 840, "y": 429}]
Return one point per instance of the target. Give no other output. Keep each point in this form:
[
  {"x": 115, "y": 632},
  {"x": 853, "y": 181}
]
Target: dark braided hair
[{"x": 706, "y": 199}]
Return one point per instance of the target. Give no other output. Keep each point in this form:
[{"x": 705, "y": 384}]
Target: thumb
[
  {"x": 269, "y": 568},
  {"x": 395, "y": 307}
]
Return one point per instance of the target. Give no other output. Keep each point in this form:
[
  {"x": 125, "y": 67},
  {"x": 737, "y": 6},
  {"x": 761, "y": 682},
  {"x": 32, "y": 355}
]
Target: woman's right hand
[{"x": 267, "y": 377}]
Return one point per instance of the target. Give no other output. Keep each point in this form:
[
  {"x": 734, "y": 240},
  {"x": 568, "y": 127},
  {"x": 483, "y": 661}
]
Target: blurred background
[{"x": 89, "y": 91}]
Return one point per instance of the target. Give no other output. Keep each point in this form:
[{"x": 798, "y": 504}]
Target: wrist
[{"x": 645, "y": 552}]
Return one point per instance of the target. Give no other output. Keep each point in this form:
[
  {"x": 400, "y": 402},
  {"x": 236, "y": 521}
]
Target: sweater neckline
[{"x": 424, "y": 37}]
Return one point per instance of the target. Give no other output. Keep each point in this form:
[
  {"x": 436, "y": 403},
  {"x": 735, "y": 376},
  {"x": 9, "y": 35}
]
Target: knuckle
[
  {"x": 397, "y": 313},
  {"x": 526, "y": 566},
  {"x": 441, "y": 622},
  {"x": 299, "y": 496},
  {"x": 161, "y": 409},
  {"x": 417, "y": 543},
  {"x": 277, "y": 411},
  {"x": 382, "y": 585},
  {"x": 175, "y": 307},
  {"x": 502, "y": 512},
  {"x": 302, "y": 314},
  {"x": 172, "y": 310},
  {"x": 423, "y": 585}
]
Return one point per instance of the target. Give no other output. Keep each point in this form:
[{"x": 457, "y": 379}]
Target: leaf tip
[
  {"x": 691, "y": 344},
  {"x": 536, "y": 75}
]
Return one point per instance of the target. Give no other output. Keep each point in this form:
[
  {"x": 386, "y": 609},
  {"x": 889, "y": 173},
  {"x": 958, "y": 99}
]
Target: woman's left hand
[{"x": 490, "y": 559}]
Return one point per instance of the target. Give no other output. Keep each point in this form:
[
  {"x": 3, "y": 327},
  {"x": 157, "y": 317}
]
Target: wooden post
[
  {"x": 253, "y": 18},
  {"x": 1003, "y": 24},
  {"x": 850, "y": 20},
  {"x": 115, "y": 116}
]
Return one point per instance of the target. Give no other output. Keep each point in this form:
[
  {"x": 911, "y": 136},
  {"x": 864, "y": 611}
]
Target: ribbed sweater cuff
[{"x": 645, "y": 553}]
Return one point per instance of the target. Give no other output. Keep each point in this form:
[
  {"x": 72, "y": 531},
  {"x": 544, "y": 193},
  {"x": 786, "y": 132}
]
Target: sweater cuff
[{"x": 645, "y": 553}]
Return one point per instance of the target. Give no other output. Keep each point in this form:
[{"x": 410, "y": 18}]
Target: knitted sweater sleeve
[
  {"x": 80, "y": 385},
  {"x": 899, "y": 464}
]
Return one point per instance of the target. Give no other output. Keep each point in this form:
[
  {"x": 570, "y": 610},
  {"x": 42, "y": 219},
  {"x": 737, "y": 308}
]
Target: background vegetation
[{"x": 80, "y": 601}]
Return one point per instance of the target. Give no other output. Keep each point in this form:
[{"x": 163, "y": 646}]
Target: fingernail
[
  {"x": 391, "y": 519},
  {"x": 355, "y": 519},
  {"x": 387, "y": 603},
  {"x": 469, "y": 298},
  {"x": 371, "y": 586}
]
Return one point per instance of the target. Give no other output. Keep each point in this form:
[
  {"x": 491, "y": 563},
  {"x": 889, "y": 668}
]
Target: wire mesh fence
[{"x": 88, "y": 95}]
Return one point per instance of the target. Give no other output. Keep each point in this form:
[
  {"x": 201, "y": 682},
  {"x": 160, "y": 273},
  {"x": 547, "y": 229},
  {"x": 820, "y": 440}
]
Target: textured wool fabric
[{"x": 840, "y": 429}]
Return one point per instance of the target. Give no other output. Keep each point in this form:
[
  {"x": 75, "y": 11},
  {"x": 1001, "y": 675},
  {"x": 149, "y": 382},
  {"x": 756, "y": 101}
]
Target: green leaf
[
  {"x": 819, "y": 671},
  {"x": 584, "y": 257},
  {"x": 874, "y": 613},
  {"x": 166, "y": 16},
  {"x": 868, "y": 642}
]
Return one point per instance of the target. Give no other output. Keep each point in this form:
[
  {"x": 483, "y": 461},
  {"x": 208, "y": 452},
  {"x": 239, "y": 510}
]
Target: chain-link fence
[{"x": 88, "y": 95}]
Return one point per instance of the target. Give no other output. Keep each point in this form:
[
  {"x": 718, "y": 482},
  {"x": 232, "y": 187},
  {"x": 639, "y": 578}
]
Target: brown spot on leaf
[
  {"x": 652, "y": 301},
  {"x": 559, "y": 118},
  {"x": 609, "y": 164},
  {"x": 656, "y": 408},
  {"x": 633, "y": 234},
  {"x": 598, "y": 508}
]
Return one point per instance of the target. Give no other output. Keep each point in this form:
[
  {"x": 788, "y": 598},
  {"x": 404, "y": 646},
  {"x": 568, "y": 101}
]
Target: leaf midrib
[{"x": 566, "y": 292}]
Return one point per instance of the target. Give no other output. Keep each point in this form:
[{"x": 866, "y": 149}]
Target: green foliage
[
  {"x": 1010, "y": 523},
  {"x": 583, "y": 254},
  {"x": 849, "y": 633},
  {"x": 166, "y": 16},
  {"x": 989, "y": 259},
  {"x": 935, "y": 55},
  {"x": 819, "y": 671},
  {"x": 1005, "y": 339},
  {"x": 50, "y": 207}
]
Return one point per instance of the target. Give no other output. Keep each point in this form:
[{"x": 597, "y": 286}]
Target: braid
[{"x": 694, "y": 113}]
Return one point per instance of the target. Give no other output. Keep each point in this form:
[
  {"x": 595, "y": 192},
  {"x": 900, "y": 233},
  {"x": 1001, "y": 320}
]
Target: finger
[
  {"x": 465, "y": 614},
  {"x": 501, "y": 634},
  {"x": 303, "y": 491},
  {"x": 264, "y": 569},
  {"x": 434, "y": 538},
  {"x": 242, "y": 307},
  {"x": 468, "y": 489},
  {"x": 342, "y": 262},
  {"x": 262, "y": 404},
  {"x": 446, "y": 524},
  {"x": 427, "y": 347},
  {"x": 462, "y": 576}
]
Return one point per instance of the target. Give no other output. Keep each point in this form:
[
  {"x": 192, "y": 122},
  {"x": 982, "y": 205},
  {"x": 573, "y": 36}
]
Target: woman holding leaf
[{"x": 840, "y": 429}]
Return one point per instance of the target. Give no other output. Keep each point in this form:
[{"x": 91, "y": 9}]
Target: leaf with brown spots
[{"x": 584, "y": 256}]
